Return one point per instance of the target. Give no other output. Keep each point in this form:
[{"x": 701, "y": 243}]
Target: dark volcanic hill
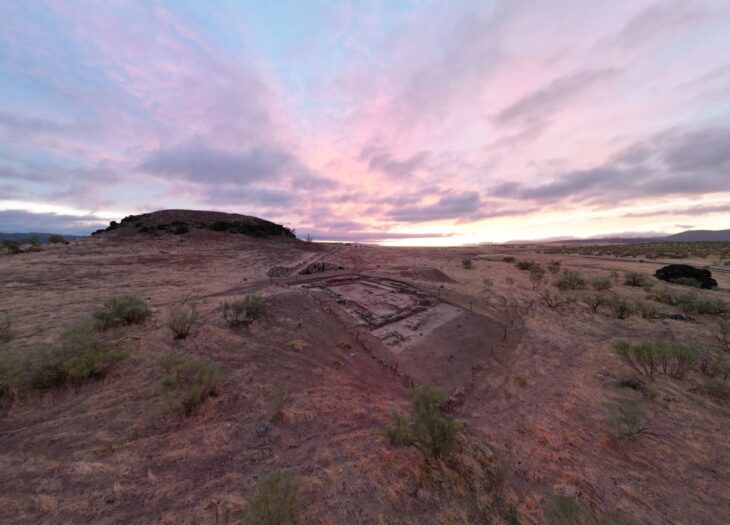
[
  {"x": 699, "y": 236},
  {"x": 181, "y": 222}
]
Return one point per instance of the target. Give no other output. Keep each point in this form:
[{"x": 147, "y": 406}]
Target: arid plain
[{"x": 531, "y": 375}]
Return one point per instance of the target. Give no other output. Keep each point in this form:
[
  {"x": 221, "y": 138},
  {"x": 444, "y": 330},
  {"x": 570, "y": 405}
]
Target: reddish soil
[{"x": 530, "y": 383}]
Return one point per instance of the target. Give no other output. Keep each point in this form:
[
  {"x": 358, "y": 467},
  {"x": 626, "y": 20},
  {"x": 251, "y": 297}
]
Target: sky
[{"x": 394, "y": 121}]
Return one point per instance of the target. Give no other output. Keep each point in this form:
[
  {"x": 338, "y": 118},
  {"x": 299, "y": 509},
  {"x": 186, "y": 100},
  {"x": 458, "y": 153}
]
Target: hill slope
[
  {"x": 699, "y": 236},
  {"x": 180, "y": 222}
]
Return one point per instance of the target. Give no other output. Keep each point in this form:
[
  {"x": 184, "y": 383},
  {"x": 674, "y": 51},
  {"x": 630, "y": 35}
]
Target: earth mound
[
  {"x": 180, "y": 222},
  {"x": 686, "y": 274}
]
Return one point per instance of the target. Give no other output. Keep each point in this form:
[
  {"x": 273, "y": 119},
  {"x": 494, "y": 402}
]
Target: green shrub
[
  {"x": 677, "y": 359},
  {"x": 467, "y": 264},
  {"x": 428, "y": 429},
  {"x": 11, "y": 246},
  {"x": 527, "y": 266},
  {"x": 571, "y": 280},
  {"x": 686, "y": 281},
  {"x": 82, "y": 354},
  {"x": 243, "y": 312},
  {"x": 121, "y": 310},
  {"x": 180, "y": 320},
  {"x": 715, "y": 389},
  {"x": 648, "y": 358},
  {"x": 187, "y": 381},
  {"x": 721, "y": 335},
  {"x": 620, "y": 307},
  {"x": 6, "y": 331},
  {"x": 536, "y": 276},
  {"x": 553, "y": 301},
  {"x": 553, "y": 267},
  {"x": 563, "y": 510},
  {"x": 692, "y": 302},
  {"x": 276, "y": 501},
  {"x": 642, "y": 357},
  {"x": 510, "y": 259},
  {"x": 646, "y": 310},
  {"x": 594, "y": 301},
  {"x": 55, "y": 238},
  {"x": 601, "y": 283},
  {"x": 625, "y": 418},
  {"x": 636, "y": 279}
]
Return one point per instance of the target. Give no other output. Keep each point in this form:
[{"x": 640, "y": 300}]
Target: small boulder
[{"x": 686, "y": 274}]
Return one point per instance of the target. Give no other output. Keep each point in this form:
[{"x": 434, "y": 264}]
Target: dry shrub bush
[
  {"x": 243, "y": 312},
  {"x": 275, "y": 502},
  {"x": 55, "y": 238},
  {"x": 6, "y": 331},
  {"x": 537, "y": 273},
  {"x": 121, "y": 310},
  {"x": 620, "y": 307},
  {"x": 636, "y": 279},
  {"x": 82, "y": 354},
  {"x": 428, "y": 429},
  {"x": 601, "y": 283},
  {"x": 649, "y": 358},
  {"x": 11, "y": 246},
  {"x": 692, "y": 302},
  {"x": 526, "y": 265},
  {"x": 565, "y": 510},
  {"x": 553, "y": 301},
  {"x": 721, "y": 334},
  {"x": 467, "y": 264},
  {"x": 187, "y": 381},
  {"x": 646, "y": 310},
  {"x": 594, "y": 301},
  {"x": 571, "y": 280},
  {"x": 181, "y": 319},
  {"x": 553, "y": 267}
]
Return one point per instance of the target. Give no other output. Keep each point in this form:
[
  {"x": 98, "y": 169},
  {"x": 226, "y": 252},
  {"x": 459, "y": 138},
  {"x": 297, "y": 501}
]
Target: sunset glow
[{"x": 402, "y": 122}]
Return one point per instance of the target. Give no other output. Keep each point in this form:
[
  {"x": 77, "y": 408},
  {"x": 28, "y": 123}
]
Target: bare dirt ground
[{"x": 530, "y": 383}]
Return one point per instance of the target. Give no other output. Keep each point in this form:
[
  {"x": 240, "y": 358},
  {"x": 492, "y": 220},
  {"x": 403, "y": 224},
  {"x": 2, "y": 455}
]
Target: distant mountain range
[
  {"x": 43, "y": 237},
  {"x": 686, "y": 236},
  {"x": 699, "y": 235}
]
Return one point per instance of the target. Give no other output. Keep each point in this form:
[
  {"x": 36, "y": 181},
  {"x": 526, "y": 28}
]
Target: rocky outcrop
[{"x": 687, "y": 275}]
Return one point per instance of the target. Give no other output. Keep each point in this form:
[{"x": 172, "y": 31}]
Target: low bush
[
  {"x": 715, "y": 389},
  {"x": 243, "y": 312},
  {"x": 427, "y": 429},
  {"x": 6, "y": 329},
  {"x": 553, "y": 301},
  {"x": 601, "y": 283},
  {"x": 721, "y": 335},
  {"x": 714, "y": 363},
  {"x": 187, "y": 381},
  {"x": 625, "y": 417},
  {"x": 181, "y": 319},
  {"x": 692, "y": 302},
  {"x": 594, "y": 301},
  {"x": 571, "y": 280},
  {"x": 121, "y": 310},
  {"x": 508, "y": 259},
  {"x": 646, "y": 310},
  {"x": 537, "y": 274},
  {"x": 55, "y": 238},
  {"x": 649, "y": 358},
  {"x": 11, "y": 246},
  {"x": 82, "y": 354},
  {"x": 276, "y": 501},
  {"x": 526, "y": 265},
  {"x": 553, "y": 267},
  {"x": 636, "y": 279},
  {"x": 467, "y": 264},
  {"x": 620, "y": 307}
]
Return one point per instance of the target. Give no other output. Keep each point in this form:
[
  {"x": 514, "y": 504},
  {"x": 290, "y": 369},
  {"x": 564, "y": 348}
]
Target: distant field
[{"x": 652, "y": 250}]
